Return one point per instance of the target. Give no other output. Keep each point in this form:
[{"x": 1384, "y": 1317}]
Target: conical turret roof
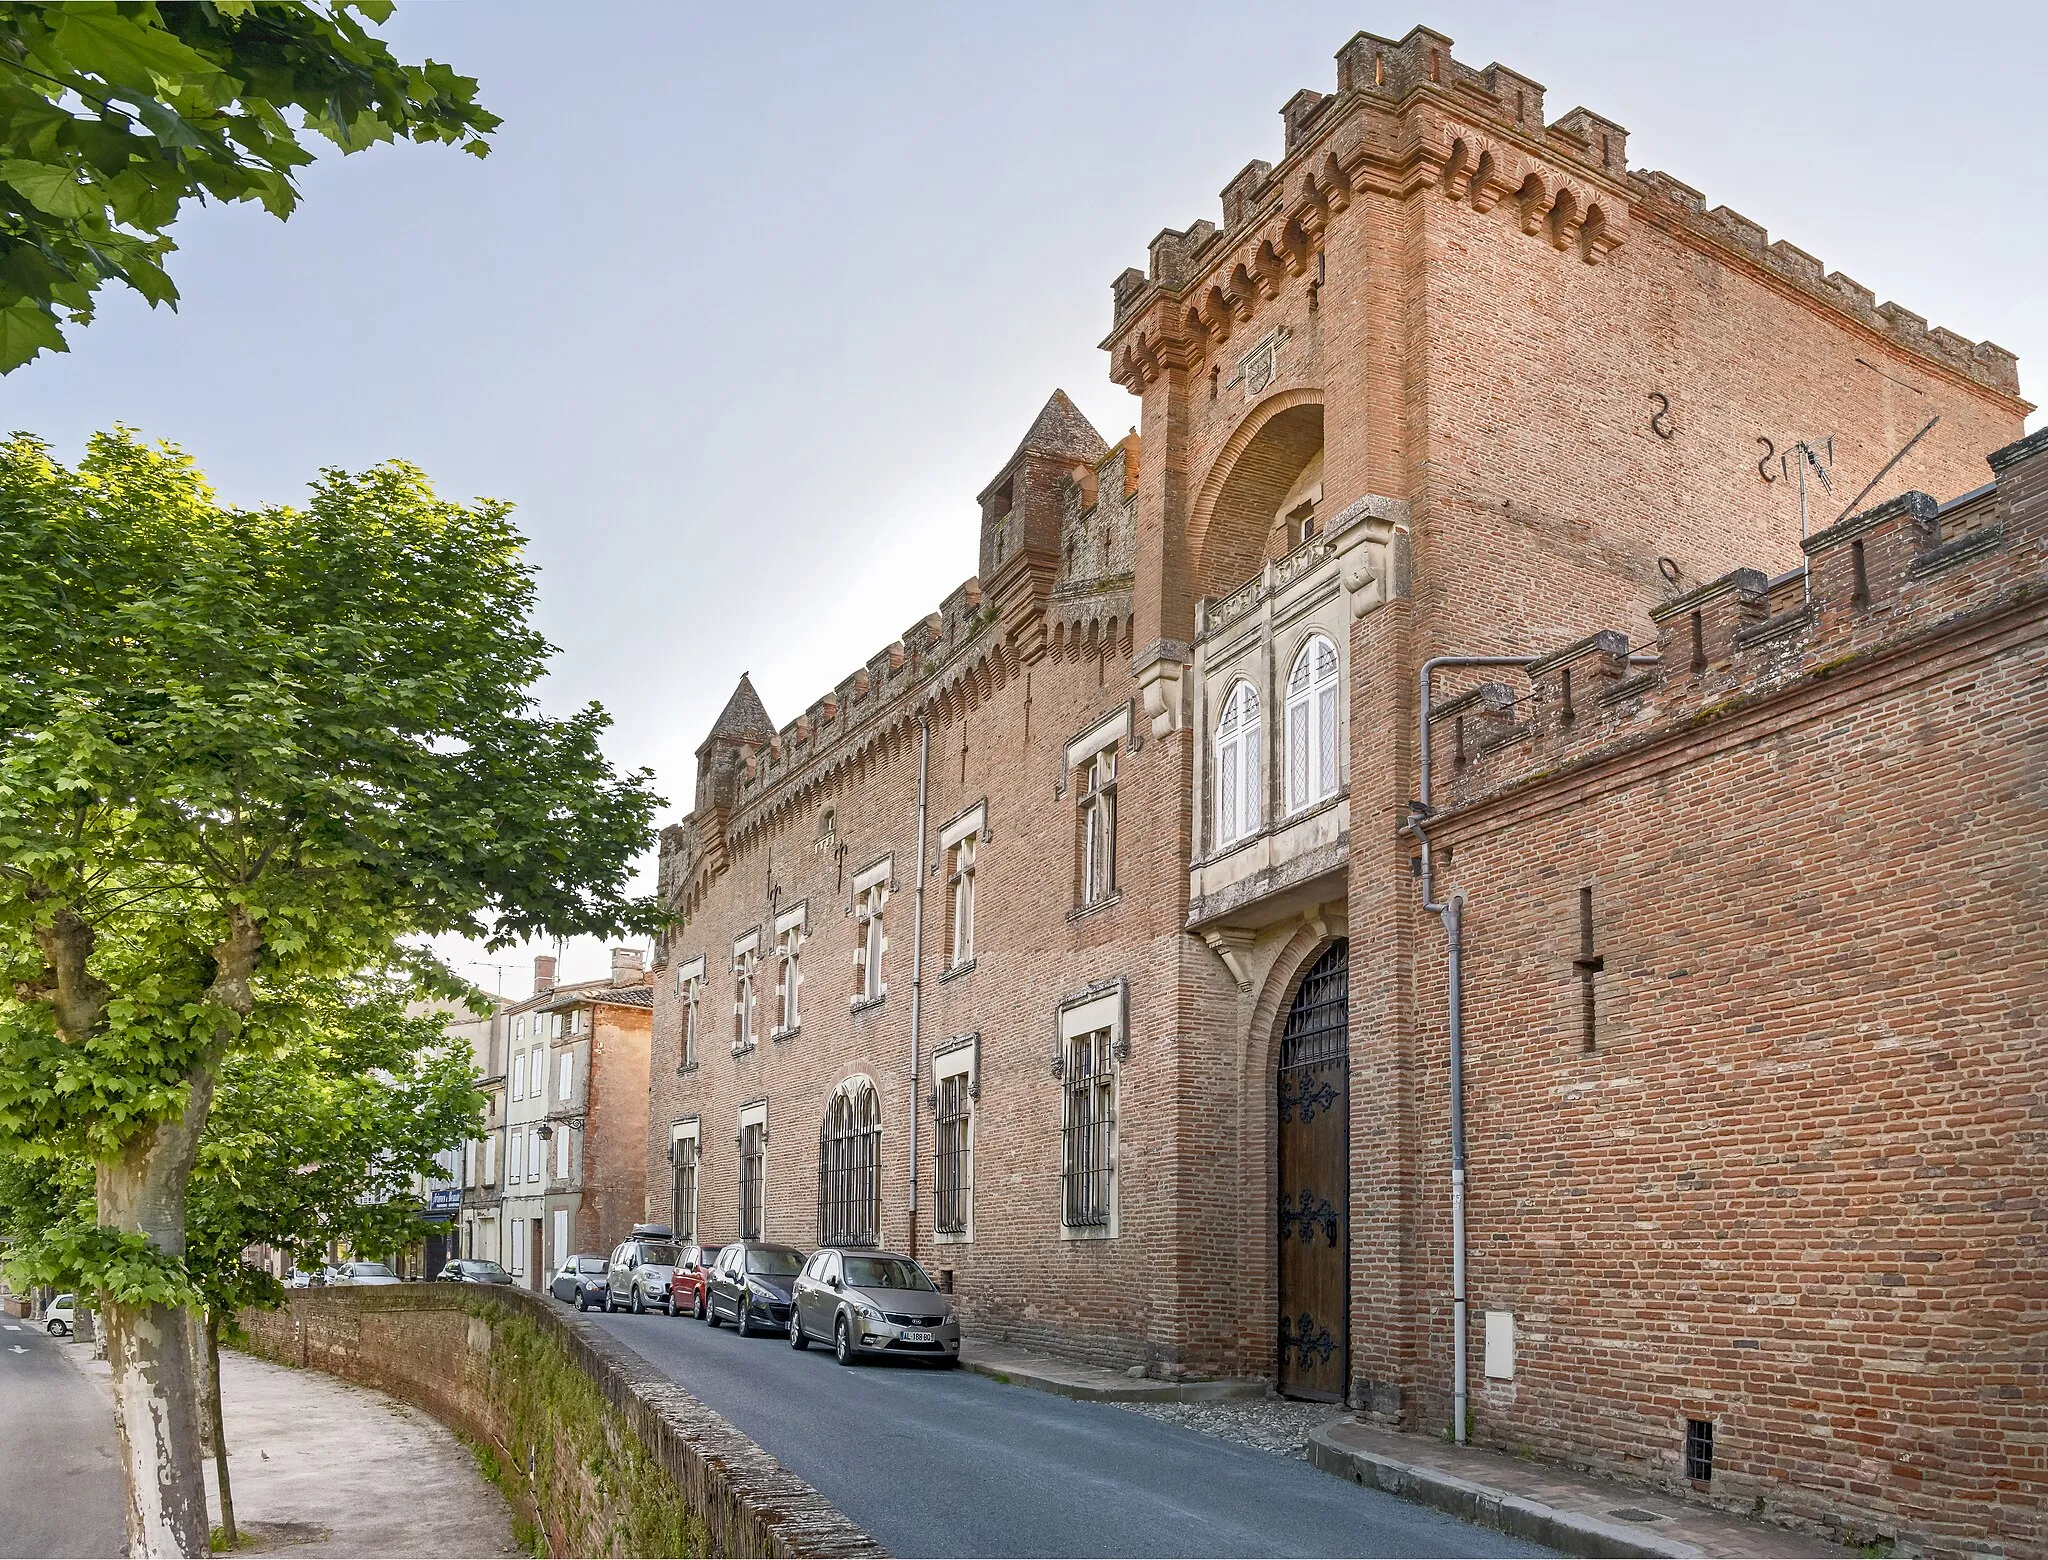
[{"x": 744, "y": 715}]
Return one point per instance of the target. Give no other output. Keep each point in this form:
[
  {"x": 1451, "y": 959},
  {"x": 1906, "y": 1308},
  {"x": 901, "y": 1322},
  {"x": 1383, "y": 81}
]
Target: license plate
[{"x": 917, "y": 1337}]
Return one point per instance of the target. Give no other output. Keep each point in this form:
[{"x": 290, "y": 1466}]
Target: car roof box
[{"x": 652, "y": 1232}]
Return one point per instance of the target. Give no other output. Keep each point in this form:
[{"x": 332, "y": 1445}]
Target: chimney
[
  {"x": 543, "y": 973},
  {"x": 625, "y": 966}
]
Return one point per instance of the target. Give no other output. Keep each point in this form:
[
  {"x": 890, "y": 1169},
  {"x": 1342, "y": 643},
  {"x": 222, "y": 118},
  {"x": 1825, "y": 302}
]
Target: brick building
[
  {"x": 563, "y": 1169},
  {"x": 1077, "y": 942}
]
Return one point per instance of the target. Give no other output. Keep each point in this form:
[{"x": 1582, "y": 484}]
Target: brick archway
[{"x": 1232, "y": 513}]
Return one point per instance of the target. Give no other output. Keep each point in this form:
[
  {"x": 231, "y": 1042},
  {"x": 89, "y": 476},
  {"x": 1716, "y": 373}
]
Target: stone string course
[{"x": 451, "y": 1350}]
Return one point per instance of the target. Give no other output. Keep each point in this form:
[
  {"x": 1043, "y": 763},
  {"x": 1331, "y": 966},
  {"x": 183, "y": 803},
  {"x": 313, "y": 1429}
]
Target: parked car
[
  {"x": 693, "y": 1277},
  {"x": 363, "y": 1273},
  {"x": 873, "y": 1303},
  {"x": 581, "y": 1281},
  {"x": 750, "y": 1285},
  {"x": 642, "y": 1269},
  {"x": 471, "y": 1270},
  {"x": 60, "y": 1317},
  {"x": 307, "y": 1278}
]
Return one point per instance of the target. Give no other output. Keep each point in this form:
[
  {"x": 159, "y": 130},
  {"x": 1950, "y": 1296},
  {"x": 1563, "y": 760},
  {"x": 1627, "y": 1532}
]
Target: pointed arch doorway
[{"x": 1313, "y": 1097}]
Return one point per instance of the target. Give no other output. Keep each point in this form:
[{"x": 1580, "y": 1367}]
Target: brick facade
[{"x": 1449, "y": 379}]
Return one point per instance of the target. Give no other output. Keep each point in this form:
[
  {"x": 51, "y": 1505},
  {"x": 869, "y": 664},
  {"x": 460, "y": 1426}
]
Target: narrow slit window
[{"x": 1588, "y": 964}]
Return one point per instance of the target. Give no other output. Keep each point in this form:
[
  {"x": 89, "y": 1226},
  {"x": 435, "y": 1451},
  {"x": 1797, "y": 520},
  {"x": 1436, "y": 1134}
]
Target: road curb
[
  {"x": 1569, "y": 1531},
  {"x": 1136, "y": 1392}
]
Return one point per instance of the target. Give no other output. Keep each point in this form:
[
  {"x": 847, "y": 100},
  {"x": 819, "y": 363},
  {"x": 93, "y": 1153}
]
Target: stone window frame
[
  {"x": 753, "y": 1114},
  {"x": 1248, "y": 771},
  {"x": 746, "y": 958},
  {"x": 792, "y": 931},
  {"x": 689, "y": 1021},
  {"x": 850, "y": 1165},
  {"x": 685, "y": 1129},
  {"x": 956, "y": 1062},
  {"x": 960, "y": 843},
  {"x": 871, "y": 889},
  {"x": 1094, "y": 781},
  {"x": 1101, "y": 1011}
]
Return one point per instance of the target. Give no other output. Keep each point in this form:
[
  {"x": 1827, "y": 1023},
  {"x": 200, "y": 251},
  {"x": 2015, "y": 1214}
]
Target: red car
[{"x": 687, "y": 1288}]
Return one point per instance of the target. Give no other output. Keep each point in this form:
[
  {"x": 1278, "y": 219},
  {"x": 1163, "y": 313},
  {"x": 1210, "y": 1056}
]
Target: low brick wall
[{"x": 605, "y": 1454}]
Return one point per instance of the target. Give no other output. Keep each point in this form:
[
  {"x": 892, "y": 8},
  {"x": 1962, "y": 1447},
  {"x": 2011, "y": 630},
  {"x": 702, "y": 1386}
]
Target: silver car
[{"x": 872, "y": 1303}]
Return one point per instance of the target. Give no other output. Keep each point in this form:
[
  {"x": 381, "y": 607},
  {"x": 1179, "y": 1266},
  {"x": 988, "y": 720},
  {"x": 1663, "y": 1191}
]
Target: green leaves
[{"x": 113, "y": 116}]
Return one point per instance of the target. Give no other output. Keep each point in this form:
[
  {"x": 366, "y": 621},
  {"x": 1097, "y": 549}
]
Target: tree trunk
[
  {"x": 220, "y": 1430},
  {"x": 151, "y": 1348}
]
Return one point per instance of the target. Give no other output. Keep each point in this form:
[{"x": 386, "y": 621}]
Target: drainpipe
[
  {"x": 924, "y": 760},
  {"x": 1452, "y": 912}
]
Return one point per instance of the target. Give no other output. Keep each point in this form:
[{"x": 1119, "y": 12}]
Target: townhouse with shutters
[
  {"x": 560, "y": 1168},
  {"x": 1252, "y": 929}
]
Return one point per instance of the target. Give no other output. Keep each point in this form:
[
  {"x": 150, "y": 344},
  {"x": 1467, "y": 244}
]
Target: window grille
[
  {"x": 1312, "y": 725},
  {"x": 684, "y": 1219},
  {"x": 849, "y": 1169},
  {"x": 1699, "y": 1449},
  {"x": 1098, "y": 828},
  {"x": 753, "y": 1155},
  {"x": 954, "y": 1170},
  {"x": 1088, "y": 1139},
  {"x": 1318, "y": 1024},
  {"x": 868, "y": 951},
  {"x": 1239, "y": 798},
  {"x": 788, "y": 950},
  {"x": 962, "y": 880}
]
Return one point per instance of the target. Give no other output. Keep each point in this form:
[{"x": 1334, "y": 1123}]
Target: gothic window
[
  {"x": 744, "y": 962},
  {"x": 1312, "y": 725},
  {"x": 849, "y": 1168},
  {"x": 1088, "y": 1135},
  {"x": 962, "y": 880},
  {"x": 789, "y": 941},
  {"x": 692, "y": 990},
  {"x": 1098, "y": 827},
  {"x": 1239, "y": 797}
]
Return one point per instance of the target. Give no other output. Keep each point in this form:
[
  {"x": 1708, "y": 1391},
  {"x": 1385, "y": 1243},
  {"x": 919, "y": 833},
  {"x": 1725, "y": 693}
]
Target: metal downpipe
[{"x": 924, "y": 761}]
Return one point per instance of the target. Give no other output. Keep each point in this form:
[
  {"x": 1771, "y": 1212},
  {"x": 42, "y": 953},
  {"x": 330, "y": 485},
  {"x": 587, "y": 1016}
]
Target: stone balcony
[{"x": 1295, "y": 856}]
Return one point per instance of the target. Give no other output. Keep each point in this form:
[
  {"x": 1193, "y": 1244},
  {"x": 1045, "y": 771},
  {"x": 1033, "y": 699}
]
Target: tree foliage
[
  {"x": 281, "y": 739},
  {"x": 114, "y": 115}
]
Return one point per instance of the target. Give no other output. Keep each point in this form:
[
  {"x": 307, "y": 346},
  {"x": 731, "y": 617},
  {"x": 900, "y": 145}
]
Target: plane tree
[{"x": 242, "y": 750}]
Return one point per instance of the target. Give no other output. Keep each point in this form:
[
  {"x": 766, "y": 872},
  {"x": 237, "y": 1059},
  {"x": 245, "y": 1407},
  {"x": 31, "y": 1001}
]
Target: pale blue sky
[{"x": 750, "y": 302}]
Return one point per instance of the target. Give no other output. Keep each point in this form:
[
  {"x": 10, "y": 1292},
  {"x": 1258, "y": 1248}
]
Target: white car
[
  {"x": 362, "y": 1273},
  {"x": 59, "y": 1318}
]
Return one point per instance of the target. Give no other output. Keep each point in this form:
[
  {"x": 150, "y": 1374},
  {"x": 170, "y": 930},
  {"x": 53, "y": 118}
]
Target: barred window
[
  {"x": 1098, "y": 827},
  {"x": 849, "y": 1168},
  {"x": 954, "y": 1169},
  {"x": 1088, "y": 1139},
  {"x": 684, "y": 1217},
  {"x": 962, "y": 879},
  {"x": 753, "y": 1158},
  {"x": 1312, "y": 734}
]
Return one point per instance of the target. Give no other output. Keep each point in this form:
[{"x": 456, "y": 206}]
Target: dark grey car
[{"x": 872, "y": 1303}]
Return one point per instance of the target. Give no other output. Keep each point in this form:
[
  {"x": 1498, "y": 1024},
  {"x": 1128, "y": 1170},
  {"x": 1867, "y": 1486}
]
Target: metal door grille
[
  {"x": 849, "y": 1170},
  {"x": 684, "y": 1222},
  {"x": 1319, "y": 1024}
]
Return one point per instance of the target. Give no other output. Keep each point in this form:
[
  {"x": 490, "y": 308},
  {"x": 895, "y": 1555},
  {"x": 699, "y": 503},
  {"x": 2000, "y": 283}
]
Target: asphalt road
[
  {"x": 60, "y": 1476},
  {"x": 933, "y": 1462}
]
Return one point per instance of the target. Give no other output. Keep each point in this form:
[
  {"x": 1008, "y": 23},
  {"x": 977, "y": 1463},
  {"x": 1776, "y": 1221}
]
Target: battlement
[
  {"x": 1567, "y": 180},
  {"x": 1910, "y": 571}
]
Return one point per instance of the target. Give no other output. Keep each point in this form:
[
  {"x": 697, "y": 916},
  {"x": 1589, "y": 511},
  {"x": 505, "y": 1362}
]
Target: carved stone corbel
[{"x": 1161, "y": 671}]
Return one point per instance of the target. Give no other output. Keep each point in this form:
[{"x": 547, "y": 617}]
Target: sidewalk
[
  {"x": 1576, "y": 1513},
  {"x": 323, "y": 1467},
  {"x": 1093, "y": 1383}
]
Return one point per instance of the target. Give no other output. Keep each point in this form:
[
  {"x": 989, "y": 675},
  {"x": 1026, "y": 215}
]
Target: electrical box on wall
[{"x": 1500, "y": 1345}]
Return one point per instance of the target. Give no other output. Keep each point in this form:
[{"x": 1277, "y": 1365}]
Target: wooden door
[{"x": 1313, "y": 1098}]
